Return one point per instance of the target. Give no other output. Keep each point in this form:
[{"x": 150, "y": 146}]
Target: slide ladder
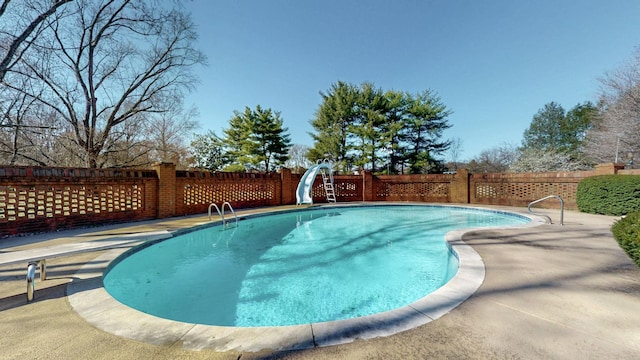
[
  {"x": 327, "y": 180},
  {"x": 303, "y": 192}
]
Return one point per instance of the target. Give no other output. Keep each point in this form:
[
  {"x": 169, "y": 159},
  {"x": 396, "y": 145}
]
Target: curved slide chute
[{"x": 303, "y": 192}]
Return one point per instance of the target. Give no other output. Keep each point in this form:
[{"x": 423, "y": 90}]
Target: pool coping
[{"x": 91, "y": 301}]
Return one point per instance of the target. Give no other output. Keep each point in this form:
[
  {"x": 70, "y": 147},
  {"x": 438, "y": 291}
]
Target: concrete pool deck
[{"x": 549, "y": 292}]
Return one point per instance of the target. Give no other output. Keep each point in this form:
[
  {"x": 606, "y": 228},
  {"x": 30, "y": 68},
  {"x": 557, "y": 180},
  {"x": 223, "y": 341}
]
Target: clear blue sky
[{"x": 493, "y": 63}]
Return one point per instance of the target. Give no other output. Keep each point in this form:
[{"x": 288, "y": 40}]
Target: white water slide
[{"x": 303, "y": 192}]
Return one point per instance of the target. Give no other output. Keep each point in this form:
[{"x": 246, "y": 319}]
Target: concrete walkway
[{"x": 550, "y": 292}]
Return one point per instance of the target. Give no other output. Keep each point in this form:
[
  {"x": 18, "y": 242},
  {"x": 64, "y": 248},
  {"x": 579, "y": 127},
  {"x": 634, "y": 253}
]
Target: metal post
[
  {"x": 43, "y": 270},
  {"x": 31, "y": 274}
]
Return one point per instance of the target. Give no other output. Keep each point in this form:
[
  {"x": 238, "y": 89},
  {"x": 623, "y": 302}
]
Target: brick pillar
[
  {"x": 367, "y": 186},
  {"x": 460, "y": 187},
  {"x": 288, "y": 188},
  {"x": 166, "y": 189},
  {"x": 608, "y": 169}
]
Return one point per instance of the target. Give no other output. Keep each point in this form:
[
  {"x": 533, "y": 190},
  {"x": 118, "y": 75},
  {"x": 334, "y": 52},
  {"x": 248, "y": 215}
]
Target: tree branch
[{"x": 5, "y": 64}]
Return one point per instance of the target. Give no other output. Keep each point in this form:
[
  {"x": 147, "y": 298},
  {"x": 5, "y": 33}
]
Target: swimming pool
[{"x": 299, "y": 267}]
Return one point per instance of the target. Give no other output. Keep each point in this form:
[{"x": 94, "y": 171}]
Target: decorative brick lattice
[
  {"x": 348, "y": 189},
  {"x": 413, "y": 190},
  {"x": 236, "y": 192},
  {"x": 525, "y": 191},
  {"x": 317, "y": 190},
  {"x": 26, "y": 202},
  {"x": 345, "y": 189}
]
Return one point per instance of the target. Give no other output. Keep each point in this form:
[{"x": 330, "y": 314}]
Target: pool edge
[{"x": 90, "y": 300}]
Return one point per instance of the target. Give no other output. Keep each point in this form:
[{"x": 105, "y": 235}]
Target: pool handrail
[
  {"x": 221, "y": 212},
  {"x": 232, "y": 211},
  {"x": 546, "y": 216},
  {"x": 217, "y": 209}
]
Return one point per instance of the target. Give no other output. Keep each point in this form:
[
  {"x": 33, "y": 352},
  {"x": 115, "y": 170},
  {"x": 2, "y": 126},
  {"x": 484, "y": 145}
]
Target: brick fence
[
  {"x": 44, "y": 199},
  {"x": 36, "y": 199}
]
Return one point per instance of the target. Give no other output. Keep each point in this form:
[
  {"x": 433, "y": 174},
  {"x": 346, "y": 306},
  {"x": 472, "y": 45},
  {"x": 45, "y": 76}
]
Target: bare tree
[
  {"x": 455, "y": 151},
  {"x": 169, "y": 132},
  {"x": 298, "y": 160},
  {"x": 107, "y": 65},
  {"x": 210, "y": 152},
  {"x": 26, "y": 127},
  {"x": 494, "y": 160},
  {"x": 14, "y": 143},
  {"x": 128, "y": 144},
  {"x": 616, "y": 133},
  {"x": 541, "y": 160},
  {"x": 30, "y": 19}
]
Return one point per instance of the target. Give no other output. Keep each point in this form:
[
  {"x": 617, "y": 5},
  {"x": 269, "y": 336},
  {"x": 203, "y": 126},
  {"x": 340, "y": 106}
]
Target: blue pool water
[{"x": 297, "y": 267}]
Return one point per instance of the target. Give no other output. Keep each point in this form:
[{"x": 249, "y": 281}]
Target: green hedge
[
  {"x": 609, "y": 194},
  {"x": 627, "y": 234}
]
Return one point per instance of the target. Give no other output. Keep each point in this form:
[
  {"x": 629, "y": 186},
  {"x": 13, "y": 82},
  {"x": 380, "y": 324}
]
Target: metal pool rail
[{"x": 547, "y": 198}]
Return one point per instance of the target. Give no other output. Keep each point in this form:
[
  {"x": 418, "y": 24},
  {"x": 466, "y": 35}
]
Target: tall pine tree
[
  {"x": 552, "y": 129},
  {"x": 366, "y": 127},
  {"x": 258, "y": 139},
  {"x": 334, "y": 117}
]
